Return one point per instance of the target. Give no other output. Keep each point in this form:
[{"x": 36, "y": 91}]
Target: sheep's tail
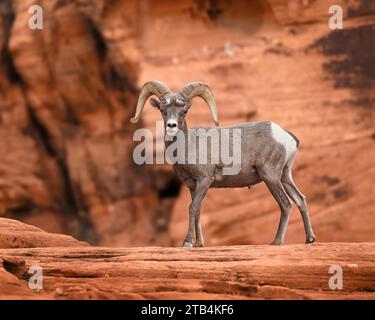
[{"x": 294, "y": 137}]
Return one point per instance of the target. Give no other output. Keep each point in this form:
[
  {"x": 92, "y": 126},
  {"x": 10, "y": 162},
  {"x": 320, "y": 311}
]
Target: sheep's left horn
[
  {"x": 150, "y": 88},
  {"x": 199, "y": 89}
]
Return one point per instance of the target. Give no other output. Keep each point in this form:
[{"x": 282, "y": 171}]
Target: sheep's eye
[{"x": 180, "y": 102}]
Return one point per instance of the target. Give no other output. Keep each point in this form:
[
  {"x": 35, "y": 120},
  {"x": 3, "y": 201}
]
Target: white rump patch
[{"x": 284, "y": 138}]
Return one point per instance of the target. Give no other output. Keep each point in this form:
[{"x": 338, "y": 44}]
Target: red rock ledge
[{"x": 75, "y": 270}]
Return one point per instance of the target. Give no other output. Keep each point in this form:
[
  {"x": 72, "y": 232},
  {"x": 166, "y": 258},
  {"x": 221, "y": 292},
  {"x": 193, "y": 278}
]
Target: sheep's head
[{"x": 174, "y": 106}]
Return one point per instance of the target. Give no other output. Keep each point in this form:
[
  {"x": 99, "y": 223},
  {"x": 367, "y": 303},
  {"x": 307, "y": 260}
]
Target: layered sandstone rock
[
  {"x": 235, "y": 272},
  {"x": 15, "y": 234}
]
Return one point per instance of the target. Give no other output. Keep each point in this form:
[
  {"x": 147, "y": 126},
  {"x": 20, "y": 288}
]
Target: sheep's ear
[{"x": 155, "y": 103}]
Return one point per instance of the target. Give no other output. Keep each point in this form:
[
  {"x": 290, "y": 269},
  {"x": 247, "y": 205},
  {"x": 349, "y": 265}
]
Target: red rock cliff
[{"x": 68, "y": 91}]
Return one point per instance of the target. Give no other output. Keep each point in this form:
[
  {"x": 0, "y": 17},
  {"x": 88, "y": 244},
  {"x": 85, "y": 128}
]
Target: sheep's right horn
[
  {"x": 200, "y": 89},
  {"x": 150, "y": 88}
]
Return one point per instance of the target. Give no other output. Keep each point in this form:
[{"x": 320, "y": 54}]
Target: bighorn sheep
[{"x": 267, "y": 154}]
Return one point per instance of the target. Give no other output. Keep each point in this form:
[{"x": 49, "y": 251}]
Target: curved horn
[
  {"x": 200, "y": 89},
  {"x": 150, "y": 88}
]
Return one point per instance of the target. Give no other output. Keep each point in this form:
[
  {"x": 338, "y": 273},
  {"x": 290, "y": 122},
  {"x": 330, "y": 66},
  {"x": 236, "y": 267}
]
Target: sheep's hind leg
[
  {"x": 274, "y": 185},
  {"x": 300, "y": 200},
  {"x": 194, "y": 213}
]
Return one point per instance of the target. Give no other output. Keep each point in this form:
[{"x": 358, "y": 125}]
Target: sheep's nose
[{"x": 171, "y": 125}]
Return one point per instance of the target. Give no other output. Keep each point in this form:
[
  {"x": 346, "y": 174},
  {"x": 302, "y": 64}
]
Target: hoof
[
  {"x": 198, "y": 244},
  {"x": 277, "y": 243},
  {"x": 310, "y": 240},
  {"x": 187, "y": 244}
]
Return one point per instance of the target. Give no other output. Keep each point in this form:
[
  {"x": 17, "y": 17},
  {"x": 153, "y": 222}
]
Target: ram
[{"x": 267, "y": 154}]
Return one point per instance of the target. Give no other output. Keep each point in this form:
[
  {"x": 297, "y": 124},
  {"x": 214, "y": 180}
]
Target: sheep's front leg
[
  {"x": 194, "y": 212},
  {"x": 199, "y": 240}
]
